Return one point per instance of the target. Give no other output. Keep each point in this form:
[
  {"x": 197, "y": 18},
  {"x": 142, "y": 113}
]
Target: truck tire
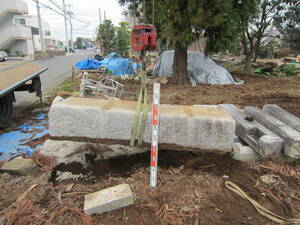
[{"x": 6, "y": 110}]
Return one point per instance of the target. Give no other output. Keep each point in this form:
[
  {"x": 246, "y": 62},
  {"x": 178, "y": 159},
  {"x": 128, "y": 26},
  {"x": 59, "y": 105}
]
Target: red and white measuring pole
[{"x": 155, "y": 135}]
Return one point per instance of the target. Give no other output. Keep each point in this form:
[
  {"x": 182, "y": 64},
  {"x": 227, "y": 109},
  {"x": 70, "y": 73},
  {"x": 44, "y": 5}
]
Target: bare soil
[
  {"x": 190, "y": 191},
  {"x": 190, "y": 185},
  {"x": 257, "y": 91}
]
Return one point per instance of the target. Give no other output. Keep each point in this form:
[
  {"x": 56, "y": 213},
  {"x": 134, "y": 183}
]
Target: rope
[{"x": 259, "y": 208}]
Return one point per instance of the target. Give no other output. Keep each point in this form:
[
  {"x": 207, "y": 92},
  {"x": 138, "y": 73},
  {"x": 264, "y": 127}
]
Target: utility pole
[
  {"x": 100, "y": 19},
  {"x": 66, "y": 26},
  {"x": 71, "y": 26},
  {"x": 40, "y": 25},
  {"x": 104, "y": 15},
  {"x": 71, "y": 31}
]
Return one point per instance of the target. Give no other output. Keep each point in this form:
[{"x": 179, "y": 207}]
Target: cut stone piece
[
  {"x": 57, "y": 99},
  {"x": 71, "y": 151},
  {"x": 20, "y": 166},
  {"x": 260, "y": 139},
  {"x": 108, "y": 199},
  {"x": 290, "y": 136},
  {"x": 283, "y": 115},
  {"x": 244, "y": 153},
  {"x": 189, "y": 126}
]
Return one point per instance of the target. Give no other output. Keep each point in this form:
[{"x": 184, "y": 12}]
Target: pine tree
[
  {"x": 123, "y": 38},
  {"x": 106, "y": 35}
]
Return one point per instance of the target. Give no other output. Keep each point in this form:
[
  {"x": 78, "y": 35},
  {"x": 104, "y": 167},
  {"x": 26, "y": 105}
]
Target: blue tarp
[
  {"x": 88, "y": 64},
  {"x": 118, "y": 66},
  {"x": 13, "y": 144}
]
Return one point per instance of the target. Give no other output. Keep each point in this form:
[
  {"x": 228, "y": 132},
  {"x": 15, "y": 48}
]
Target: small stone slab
[
  {"x": 20, "y": 166},
  {"x": 108, "y": 199},
  {"x": 244, "y": 153}
]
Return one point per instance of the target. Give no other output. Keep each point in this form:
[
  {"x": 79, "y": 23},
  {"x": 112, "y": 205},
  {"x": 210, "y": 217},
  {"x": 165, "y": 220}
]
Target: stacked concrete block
[
  {"x": 262, "y": 140},
  {"x": 290, "y": 136},
  {"x": 189, "y": 126},
  {"x": 283, "y": 115},
  {"x": 244, "y": 153}
]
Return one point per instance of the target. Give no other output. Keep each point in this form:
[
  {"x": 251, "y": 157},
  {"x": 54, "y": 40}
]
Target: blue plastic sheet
[
  {"x": 13, "y": 144},
  {"x": 118, "y": 66},
  {"x": 88, "y": 64}
]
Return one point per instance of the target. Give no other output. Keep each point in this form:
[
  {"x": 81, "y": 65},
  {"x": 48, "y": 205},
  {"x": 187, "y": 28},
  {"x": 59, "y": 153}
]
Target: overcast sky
[{"x": 86, "y": 10}]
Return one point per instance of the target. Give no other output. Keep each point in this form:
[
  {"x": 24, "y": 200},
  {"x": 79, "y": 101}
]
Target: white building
[
  {"x": 14, "y": 36},
  {"x": 19, "y": 32},
  {"x": 32, "y": 22}
]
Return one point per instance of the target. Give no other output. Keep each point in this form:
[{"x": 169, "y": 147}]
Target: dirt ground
[
  {"x": 257, "y": 91},
  {"x": 190, "y": 191},
  {"x": 191, "y": 186}
]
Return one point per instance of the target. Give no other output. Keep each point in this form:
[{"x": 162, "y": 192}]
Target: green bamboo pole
[
  {"x": 144, "y": 119},
  {"x": 136, "y": 119}
]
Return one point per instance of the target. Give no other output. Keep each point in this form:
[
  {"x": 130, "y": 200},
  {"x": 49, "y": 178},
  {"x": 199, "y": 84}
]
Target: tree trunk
[
  {"x": 180, "y": 75},
  {"x": 249, "y": 59}
]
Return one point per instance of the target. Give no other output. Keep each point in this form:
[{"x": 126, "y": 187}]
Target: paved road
[{"x": 59, "y": 69}]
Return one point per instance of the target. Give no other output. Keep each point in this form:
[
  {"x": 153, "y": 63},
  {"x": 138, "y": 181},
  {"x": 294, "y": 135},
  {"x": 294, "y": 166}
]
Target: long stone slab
[
  {"x": 263, "y": 141},
  {"x": 290, "y": 136},
  {"x": 283, "y": 115},
  {"x": 189, "y": 126},
  {"x": 72, "y": 151}
]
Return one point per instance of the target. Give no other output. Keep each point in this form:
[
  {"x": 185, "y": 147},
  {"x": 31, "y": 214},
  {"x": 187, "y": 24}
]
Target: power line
[
  {"x": 56, "y": 5},
  {"x": 48, "y": 7}
]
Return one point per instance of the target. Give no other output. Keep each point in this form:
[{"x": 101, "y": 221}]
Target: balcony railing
[
  {"x": 13, "y": 6},
  {"x": 15, "y": 32}
]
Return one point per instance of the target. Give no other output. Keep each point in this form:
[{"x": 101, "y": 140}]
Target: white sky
[{"x": 86, "y": 10}]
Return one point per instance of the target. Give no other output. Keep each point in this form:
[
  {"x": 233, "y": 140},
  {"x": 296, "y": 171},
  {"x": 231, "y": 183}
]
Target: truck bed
[{"x": 13, "y": 75}]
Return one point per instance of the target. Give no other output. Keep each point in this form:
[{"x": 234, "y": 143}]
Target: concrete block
[
  {"x": 266, "y": 143},
  {"x": 189, "y": 126},
  {"x": 70, "y": 151},
  {"x": 57, "y": 99},
  {"x": 20, "y": 166},
  {"x": 108, "y": 199},
  {"x": 244, "y": 153},
  {"x": 290, "y": 136},
  {"x": 283, "y": 115},
  {"x": 270, "y": 146}
]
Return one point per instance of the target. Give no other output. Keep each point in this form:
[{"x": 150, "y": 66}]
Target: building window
[
  {"x": 35, "y": 31},
  {"x": 20, "y": 21},
  {"x": 47, "y": 33}
]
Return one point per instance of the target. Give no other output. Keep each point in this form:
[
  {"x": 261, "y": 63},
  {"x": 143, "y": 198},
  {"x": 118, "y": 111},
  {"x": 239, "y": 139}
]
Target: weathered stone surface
[
  {"x": 57, "y": 99},
  {"x": 260, "y": 139},
  {"x": 20, "y": 166},
  {"x": 290, "y": 136},
  {"x": 70, "y": 151},
  {"x": 189, "y": 126},
  {"x": 244, "y": 153},
  {"x": 108, "y": 199}
]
